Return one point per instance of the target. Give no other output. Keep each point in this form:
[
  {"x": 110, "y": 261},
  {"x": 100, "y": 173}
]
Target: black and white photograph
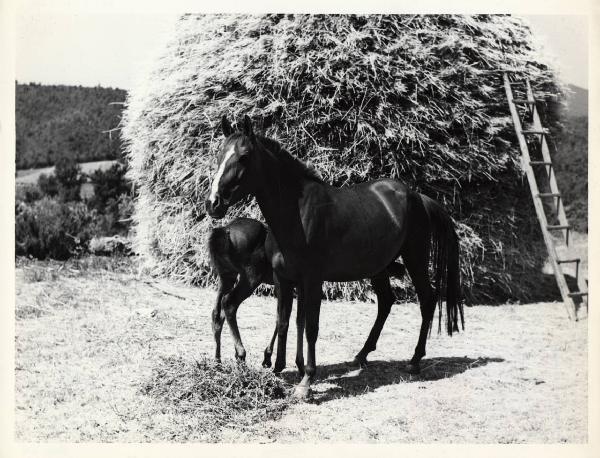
[{"x": 298, "y": 228}]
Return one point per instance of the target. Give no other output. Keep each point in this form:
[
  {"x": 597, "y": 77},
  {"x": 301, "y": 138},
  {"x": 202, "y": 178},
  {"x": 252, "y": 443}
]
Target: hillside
[
  {"x": 570, "y": 156},
  {"x": 52, "y": 121},
  {"x": 577, "y": 101},
  {"x": 571, "y": 163}
]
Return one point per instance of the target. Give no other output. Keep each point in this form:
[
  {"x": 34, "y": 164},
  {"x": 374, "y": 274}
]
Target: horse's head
[{"x": 231, "y": 181}]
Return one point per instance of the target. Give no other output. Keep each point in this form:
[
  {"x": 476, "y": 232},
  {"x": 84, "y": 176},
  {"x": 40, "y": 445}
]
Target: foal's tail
[{"x": 446, "y": 264}]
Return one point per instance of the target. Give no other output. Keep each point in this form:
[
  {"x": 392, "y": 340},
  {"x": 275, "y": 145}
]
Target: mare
[{"x": 325, "y": 233}]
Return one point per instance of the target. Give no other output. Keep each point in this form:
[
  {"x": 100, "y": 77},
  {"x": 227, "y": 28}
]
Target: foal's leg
[
  {"x": 218, "y": 316},
  {"x": 417, "y": 265},
  {"x": 285, "y": 298},
  {"x": 311, "y": 304},
  {"x": 269, "y": 349},
  {"x": 231, "y": 301},
  {"x": 385, "y": 299}
]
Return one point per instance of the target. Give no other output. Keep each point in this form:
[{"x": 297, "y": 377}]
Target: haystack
[{"x": 413, "y": 97}]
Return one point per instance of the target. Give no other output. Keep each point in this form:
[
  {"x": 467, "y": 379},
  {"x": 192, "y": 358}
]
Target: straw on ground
[{"x": 89, "y": 339}]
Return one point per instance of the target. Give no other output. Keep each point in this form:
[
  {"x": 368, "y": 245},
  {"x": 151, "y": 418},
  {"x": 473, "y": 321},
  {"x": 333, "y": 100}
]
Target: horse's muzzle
[{"x": 216, "y": 209}]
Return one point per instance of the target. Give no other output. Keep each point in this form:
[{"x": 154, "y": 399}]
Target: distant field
[{"x": 32, "y": 175}]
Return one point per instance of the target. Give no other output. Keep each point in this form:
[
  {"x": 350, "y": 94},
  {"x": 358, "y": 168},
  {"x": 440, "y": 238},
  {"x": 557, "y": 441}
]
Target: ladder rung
[
  {"x": 565, "y": 261},
  {"x": 578, "y": 294},
  {"x": 534, "y": 132},
  {"x": 558, "y": 227},
  {"x": 549, "y": 194},
  {"x": 523, "y": 102},
  {"x": 540, "y": 163}
]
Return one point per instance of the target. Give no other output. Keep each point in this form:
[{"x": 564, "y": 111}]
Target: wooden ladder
[{"x": 558, "y": 247}]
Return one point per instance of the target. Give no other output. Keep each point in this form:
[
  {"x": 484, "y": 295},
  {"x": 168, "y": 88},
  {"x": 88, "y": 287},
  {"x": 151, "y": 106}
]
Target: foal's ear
[
  {"x": 247, "y": 127},
  {"x": 226, "y": 126}
]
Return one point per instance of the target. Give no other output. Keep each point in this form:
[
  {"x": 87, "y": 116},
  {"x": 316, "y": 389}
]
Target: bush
[
  {"x": 49, "y": 228},
  {"x": 112, "y": 198},
  {"x": 69, "y": 177},
  {"x": 109, "y": 185},
  {"x": 28, "y": 192},
  {"x": 49, "y": 185}
]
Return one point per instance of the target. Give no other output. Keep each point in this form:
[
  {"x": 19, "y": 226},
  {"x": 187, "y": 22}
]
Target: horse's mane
[{"x": 299, "y": 167}]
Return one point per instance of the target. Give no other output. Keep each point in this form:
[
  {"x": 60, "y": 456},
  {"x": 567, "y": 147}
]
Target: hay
[
  {"x": 217, "y": 394},
  {"x": 414, "y": 97}
]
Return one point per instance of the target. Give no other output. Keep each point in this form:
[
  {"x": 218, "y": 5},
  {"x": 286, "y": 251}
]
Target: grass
[{"x": 111, "y": 357}]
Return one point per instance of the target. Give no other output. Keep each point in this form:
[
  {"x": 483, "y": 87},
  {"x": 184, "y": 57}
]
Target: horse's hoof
[
  {"x": 413, "y": 368},
  {"x": 240, "y": 359},
  {"x": 360, "y": 362},
  {"x": 266, "y": 363},
  {"x": 278, "y": 368},
  {"x": 301, "y": 392}
]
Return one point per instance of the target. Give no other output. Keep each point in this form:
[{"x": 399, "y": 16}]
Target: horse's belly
[{"x": 359, "y": 259}]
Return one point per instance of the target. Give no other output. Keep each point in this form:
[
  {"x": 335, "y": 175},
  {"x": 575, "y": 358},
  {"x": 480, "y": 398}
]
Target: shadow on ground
[{"x": 341, "y": 380}]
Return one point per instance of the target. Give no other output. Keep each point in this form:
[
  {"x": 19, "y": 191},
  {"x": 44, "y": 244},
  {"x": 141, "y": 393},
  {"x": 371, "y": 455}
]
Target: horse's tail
[{"x": 446, "y": 264}]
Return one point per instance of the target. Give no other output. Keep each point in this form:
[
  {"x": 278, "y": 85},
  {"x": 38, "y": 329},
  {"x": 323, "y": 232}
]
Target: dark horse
[
  {"x": 323, "y": 233},
  {"x": 238, "y": 256}
]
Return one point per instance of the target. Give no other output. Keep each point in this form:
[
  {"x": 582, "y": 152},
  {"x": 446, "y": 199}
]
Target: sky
[{"x": 112, "y": 50}]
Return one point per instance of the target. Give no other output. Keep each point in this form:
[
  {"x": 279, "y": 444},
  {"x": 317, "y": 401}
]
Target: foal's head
[{"x": 232, "y": 180}]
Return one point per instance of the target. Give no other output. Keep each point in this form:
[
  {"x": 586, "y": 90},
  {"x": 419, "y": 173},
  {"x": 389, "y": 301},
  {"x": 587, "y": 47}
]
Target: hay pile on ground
[
  {"x": 414, "y": 97},
  {"x": 217, "y": 394}
]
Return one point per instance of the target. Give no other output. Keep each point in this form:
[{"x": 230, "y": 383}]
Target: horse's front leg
[
  {"x": 311, "y": 304},
  {"x": 285, "y": 297}
]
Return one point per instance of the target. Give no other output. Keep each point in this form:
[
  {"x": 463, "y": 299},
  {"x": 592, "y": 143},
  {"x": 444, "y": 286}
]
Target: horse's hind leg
[
  {"x": 385, "y": 299},
  {"x": 218, "y": 316},
  {"x": 231, "y": 301},
  {"x": 417, "y": 264}
]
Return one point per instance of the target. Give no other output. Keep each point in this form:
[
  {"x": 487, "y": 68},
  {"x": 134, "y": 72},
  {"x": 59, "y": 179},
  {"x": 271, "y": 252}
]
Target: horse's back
[{"x": 359, "y": 230}]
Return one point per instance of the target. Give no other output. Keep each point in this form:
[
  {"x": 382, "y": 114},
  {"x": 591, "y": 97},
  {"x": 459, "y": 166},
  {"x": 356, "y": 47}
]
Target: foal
[{"x": 237, "y": 252}]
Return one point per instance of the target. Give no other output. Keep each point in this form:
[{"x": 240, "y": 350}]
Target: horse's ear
[
  {"x": 226, "y": 126},
  {"x": 247, "y": 127}
]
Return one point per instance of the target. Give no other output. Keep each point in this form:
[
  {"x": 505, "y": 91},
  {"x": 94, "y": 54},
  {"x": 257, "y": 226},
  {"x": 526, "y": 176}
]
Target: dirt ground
[{"x": 87, "y": 338}]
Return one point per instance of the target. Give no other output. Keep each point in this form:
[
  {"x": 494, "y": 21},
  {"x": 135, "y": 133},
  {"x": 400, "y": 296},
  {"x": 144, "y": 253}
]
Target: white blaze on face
[{"x": 214, "y": 188}]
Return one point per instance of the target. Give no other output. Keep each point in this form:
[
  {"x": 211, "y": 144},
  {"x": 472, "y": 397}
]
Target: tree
[{"x": 69, "y": 176}]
